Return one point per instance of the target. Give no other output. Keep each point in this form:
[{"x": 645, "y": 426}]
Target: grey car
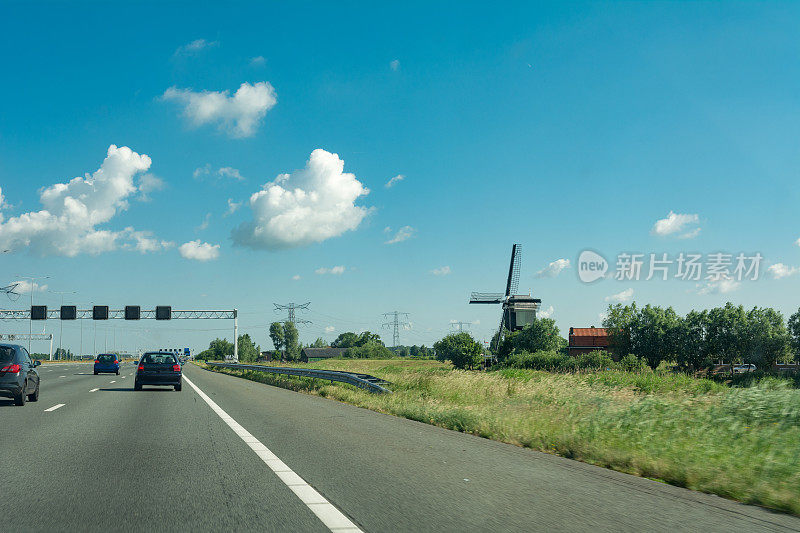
[{"x": 18, "y": 376}]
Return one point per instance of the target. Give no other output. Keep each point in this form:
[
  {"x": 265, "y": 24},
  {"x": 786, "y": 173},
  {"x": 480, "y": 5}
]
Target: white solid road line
[
  {"x": 94, "y": 390},
  {"x": 332, "y": 517},
  {"x": 56, "y": 406}
]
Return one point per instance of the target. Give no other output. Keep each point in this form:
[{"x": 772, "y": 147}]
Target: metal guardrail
[{"x": 363, "y": 381}]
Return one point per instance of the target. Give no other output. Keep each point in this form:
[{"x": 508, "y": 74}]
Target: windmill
[{"x": 518, "y": 310}]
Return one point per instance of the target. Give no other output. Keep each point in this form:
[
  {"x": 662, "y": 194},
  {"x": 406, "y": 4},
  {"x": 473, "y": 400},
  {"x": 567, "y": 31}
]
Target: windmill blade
[
  {"x": 513, "y": 270},
  {"x": 486, "y": 298}
]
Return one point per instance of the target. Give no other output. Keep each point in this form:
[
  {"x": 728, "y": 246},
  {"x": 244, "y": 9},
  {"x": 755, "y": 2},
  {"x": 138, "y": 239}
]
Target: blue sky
[{"x": 558, "y": 126}]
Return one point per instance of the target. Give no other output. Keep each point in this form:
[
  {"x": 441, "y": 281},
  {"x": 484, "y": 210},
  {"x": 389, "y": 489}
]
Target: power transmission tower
[
  {"x": 460, "y": 325},
  {"x": 395, "y": 324},
  {"x": 290, "y": 308}
]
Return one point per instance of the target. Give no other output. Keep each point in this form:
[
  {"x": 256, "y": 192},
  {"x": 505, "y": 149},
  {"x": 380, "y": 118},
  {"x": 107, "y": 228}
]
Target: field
[{"x": 737, "y": 442}]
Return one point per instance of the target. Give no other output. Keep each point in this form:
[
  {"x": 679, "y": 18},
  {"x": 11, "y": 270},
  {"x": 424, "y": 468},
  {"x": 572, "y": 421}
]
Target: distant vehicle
[
  {"x": 158, "y": 368},
  {"x": 106, "y": 363},
  {"x": 743, "y": 369},
  {"x": 18, "y": 376}
]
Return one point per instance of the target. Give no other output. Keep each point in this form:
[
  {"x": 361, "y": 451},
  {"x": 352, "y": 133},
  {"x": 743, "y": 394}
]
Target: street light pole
[{"x": 32, "y": 288}]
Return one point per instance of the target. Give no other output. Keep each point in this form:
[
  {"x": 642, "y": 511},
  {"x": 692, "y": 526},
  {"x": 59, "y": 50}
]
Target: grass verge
[{"x": 740, "y": 443}]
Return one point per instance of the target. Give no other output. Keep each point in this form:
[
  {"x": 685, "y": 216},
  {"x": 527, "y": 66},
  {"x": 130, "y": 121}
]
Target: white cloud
[
  {"x": 797, "y": 242},
  {"x": 223, "y": 172},
  {"x": 296, "y": 277},
  {"x": 149, "y": 183},
  {"x": 621, "y": 297},
  {"x": 143, "y": 241},
  {"x": 24, "y": 286},
  {"x": 545, "y": 313},
  {"x": 2, "y": 200},
  {"x": 394, "y": 180},
  {"x": 258, "y": 61},
  {"x": 441, "y": 271},
  {"x": 232, "y": 207},
  {"x": 195, "y": 46},
  {"x": 403, "y": 234},
  {"x": 553, "y": 269},
  {"x": 204, "y": 225},
  {"x": 199, "y": 251},
  {"x": 676, "y": 223},
  {"x": 68, "y": 224},
  {"x": 238, "y": 115},
  {"x": 779, "y": 270},
  {"x": 336, "y": 271},
  {"x": 722, "y": 286},
  {"x": 329, "y": 329},
  {"x": 309, "y": 205},
  {"x": 394, "y": 64}
]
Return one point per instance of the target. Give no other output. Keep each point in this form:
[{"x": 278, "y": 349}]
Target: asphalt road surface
[{"x": 235, "y": 455}]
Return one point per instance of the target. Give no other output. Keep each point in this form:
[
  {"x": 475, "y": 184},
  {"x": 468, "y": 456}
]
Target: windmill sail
[{"x": 512, "y": 284}]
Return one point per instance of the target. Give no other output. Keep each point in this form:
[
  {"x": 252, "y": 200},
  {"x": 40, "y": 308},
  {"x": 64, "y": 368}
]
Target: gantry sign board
[
  {"x": 103, "y": 312},
  {"x": 130, "y": 312}
]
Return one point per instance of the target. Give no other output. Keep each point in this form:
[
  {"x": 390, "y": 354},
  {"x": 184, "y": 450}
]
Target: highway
[{"x": 235, "y": 455}]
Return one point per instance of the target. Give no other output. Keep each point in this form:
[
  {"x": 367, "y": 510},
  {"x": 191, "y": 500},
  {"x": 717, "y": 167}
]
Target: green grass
[{"x": 739, "y": 442}]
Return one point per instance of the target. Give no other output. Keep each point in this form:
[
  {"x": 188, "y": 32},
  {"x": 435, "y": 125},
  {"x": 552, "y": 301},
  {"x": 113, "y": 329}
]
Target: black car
[
  {"x": 158, "y": 368},
  {"x": 18, "y": 376}
]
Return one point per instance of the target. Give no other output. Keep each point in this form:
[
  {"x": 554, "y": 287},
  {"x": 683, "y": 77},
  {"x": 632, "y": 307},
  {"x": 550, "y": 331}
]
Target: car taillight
[
  {"x": 96, "y": 361},
  {"x": 176, "y": 368},
  {"x": 141, "y": 367},
  {"x": 14, "y": 369},
  {"x": 116, "y": 362}
]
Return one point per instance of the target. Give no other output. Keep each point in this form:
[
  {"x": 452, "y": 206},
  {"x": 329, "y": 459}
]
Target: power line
[
  {"x": 460, "y": 325},
  {"x": 395, "y": 324},
  {"x": 291, "y": 308}
]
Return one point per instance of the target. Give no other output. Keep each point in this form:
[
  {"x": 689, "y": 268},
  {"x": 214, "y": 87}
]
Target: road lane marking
[
  {"x": 123, "y": 377},
  {"x": 113, "y": 381},
  {"x": 328, "y": 514},
  {"x": 94, "y": 390},
  {"x": 56, "y": 406},
  {"x": 62, "y": 376}
]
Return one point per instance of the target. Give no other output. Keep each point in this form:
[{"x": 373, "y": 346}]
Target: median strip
[
  {"x": 56, "y": 406},
  {"x": 328, "y": 514}
]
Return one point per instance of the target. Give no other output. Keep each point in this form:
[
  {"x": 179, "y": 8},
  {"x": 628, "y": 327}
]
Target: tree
[
  {"x": 618, "y": 321},
  {"x": 726, "y": 334},
  {"x": 692, "y": 351},
  {"x": 654, "y": 334},
  {"x": 217, "y": 349},
  {"x": 347, "y": 339},
  {"x": 291, "y": 344},
  {"x": 540, "y": 335},
  {"x": 319, "y": 343},
  {"x": 276, "y": 334},
  {"x": 460, "y": 349},
  {"x": 794, "y": 333},
  {"x": 767, "y": 337},
  {"x": 248, "y": 351}
]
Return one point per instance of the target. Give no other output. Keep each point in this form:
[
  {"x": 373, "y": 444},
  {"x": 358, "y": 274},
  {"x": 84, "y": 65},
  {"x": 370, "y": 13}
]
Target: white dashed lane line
[
  {"x": 332, "y": 517},
  {"x": 56, "y": 406},
  {"x": 94, "y": 390},
  {"x": 62, "y": 376}
]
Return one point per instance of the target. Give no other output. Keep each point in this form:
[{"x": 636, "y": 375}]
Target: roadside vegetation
[{"x": 657, "y": 411}]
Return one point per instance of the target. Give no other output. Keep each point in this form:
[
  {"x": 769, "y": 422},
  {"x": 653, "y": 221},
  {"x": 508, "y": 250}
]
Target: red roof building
[{"x": 583, "y": 340}]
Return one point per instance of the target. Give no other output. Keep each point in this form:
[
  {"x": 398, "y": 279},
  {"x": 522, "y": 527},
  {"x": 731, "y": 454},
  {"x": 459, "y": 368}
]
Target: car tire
[
  {"x": 118, "y": 372},
  {"x": 136, "y": 386},
  {"x": 178, "y": 388},
  {"x": 34, "y": 396},
  {"x": 21, "y": 398},
  {"x": 95, "y": 372}
]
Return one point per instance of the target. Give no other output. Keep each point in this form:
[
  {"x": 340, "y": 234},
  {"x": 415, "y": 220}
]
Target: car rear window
[
  {"x": 6, "y": 354},
  {"x": 158, "y": 359},
  {"x": 106, "y": 358}
]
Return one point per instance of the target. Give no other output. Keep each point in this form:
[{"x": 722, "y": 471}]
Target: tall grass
[{"x": 738, "y": 442}]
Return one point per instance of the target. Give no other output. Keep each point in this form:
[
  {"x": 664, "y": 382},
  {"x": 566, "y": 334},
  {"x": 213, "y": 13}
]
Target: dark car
[
  {"x": 158, "y": 368},
  {"x": 18, "y": 376},
  {"x": 107, "y": 363}
]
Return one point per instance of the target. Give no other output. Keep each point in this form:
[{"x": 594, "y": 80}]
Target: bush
[
  {"x": 552, "y": 361},
  {"x": 631, "y": 363}
]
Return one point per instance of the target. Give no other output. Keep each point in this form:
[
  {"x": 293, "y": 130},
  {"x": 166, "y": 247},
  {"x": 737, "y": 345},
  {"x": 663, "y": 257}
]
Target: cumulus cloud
[
  {"x": 722, "y": 286},
  {"x": 258, "y": 61},
  {"x": 195, "y": 46},
  {"x": 199, "y": 251},
  {"x": 205, "y": 172},
  {"x": 329, "y": 329},
  {"x": 309, "y": 205},
  {"x": 797, "y": 242},
  {"x": 621, "y": 297},
  {"x": 677, "y": 223},
  {"x": 2, "y": 199},
  {"x": 204, "y": 224},
  {"x": 238, "y": 115},
  {"x": 68, "y": 224},
  {"x": 394, "y": 64},
  {"x": 143, "y": 241},
  {"x": 396, "y": 179},
  {"x": 403, "y": 234},
  {"x": 149, "y": 183},
  {"x": 336, "y": 271},
  {"x": 545, "y": 313},
  {"x": 553, "y": 269},
  {"x": 441, "y": 271},
  {"x": 296, "y": 277},
  {"x": 779, "y": 270}
]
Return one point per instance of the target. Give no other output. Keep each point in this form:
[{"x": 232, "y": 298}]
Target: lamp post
[{"x": 32, "y": 288}]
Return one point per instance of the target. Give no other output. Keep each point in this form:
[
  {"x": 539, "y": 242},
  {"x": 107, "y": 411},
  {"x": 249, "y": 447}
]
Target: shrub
[{"x": 631, "y": 363}]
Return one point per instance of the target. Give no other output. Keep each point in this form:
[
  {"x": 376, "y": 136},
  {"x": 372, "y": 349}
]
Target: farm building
[
  {"x": 583, "y": 340},
  {"x": 308, "y": 355}
]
